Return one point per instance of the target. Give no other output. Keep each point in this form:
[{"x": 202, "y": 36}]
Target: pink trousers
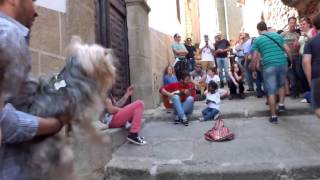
[{"x": 133, "y": 113}]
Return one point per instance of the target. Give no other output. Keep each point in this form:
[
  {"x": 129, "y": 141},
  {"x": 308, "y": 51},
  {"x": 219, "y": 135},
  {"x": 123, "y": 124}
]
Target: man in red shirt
[{"x": 182, "y": 96}]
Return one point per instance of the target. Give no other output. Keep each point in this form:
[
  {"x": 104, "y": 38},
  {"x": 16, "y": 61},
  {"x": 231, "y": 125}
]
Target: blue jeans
[
  {"x": 241, "y": 63},
  {"x": 209, "y": 113},
  {"x": 223, "y": 64},
  {"x": 259, "y": 82},
  {"x": 182, "y": 108},
  {"x": 191, "y": 64},
  {"x": 249, "y": 79},
  {"x": 274, "y": 78}
]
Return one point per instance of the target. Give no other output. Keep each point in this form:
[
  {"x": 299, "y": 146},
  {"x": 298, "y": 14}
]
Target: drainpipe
[{"x": 226, "y": 18}]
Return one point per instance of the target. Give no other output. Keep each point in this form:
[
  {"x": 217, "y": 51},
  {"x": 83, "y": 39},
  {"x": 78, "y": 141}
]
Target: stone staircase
[{"x": 162, "y": 160}]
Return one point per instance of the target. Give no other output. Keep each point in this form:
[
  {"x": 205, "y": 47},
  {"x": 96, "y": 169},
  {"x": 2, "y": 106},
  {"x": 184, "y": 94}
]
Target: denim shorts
[
  {"x": 274, "y": 78},
  {"x": 315, "y": 93}
]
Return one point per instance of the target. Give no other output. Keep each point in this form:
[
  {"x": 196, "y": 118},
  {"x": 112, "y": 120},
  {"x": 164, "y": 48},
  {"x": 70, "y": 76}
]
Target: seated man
[
  {"x": 198, "y": 78},
  {"x": 182, "y": 96}
]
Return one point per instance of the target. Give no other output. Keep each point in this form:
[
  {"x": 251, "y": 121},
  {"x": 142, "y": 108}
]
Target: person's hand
[
  {"x": 237, "y": 85},
  {"x": 187, "y": 92},
  {"x": 130, "y": 90}
]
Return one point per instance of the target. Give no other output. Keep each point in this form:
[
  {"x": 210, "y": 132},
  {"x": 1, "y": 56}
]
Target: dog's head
[{"x": 96, "y": 61}]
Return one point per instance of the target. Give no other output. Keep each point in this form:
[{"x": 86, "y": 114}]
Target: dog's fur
[{"x": 89, "y": 73}]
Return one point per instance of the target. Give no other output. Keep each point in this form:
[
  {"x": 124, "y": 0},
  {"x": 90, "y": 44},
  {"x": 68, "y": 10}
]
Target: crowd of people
[
  {"x": 278, "y": 63},
  {"x": 275, "y": 64}
]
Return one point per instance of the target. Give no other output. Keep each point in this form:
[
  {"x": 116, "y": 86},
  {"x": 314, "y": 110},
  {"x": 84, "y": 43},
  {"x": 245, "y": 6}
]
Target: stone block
[
  {"x": 45, "y": 34},
  {"x": 50, "y": 65},
  {"x": 81, "y": 22},
  {"x": 35, "y": 66},
  {"x": 91, "y": 154}
]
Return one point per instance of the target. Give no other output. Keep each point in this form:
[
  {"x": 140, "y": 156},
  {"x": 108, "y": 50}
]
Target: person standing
[
  {"x": 306, "y": 36},
  {"x": 16, "y": 19},
  {"x": 180, "y": 52},
  {"x": 311, "y": 66},
  {"x": 291, "y": 38},
  {"x": 207, "y": 50},
  {"x": 222, "y": 47},
  {"x": 190, "y": 56},
  {"x": 247, "y": 45},
  {"x": 272, "y": 49}
]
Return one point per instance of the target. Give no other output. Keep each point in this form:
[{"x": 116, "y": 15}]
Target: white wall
[
  {"x": 252, "y": 16},
  {"x": 57, "y": 5},
  {"x": 209, "y": 23},
  {"x": 163, "y": 16}
]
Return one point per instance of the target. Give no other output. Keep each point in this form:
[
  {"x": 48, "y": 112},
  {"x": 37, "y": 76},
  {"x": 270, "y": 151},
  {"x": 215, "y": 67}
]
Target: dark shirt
[
  {"x": 313, "y": 49},
  {"x": 191, "y": 49},
  {"x": 223, "y": 44}
]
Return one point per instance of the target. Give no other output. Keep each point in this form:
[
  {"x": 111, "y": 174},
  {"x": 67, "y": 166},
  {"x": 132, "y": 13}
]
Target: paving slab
[{"x": 260, "y": 150}]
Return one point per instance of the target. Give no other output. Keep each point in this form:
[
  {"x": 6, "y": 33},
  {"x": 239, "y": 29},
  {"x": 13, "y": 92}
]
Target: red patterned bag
[{"x": 219, "y": 132}]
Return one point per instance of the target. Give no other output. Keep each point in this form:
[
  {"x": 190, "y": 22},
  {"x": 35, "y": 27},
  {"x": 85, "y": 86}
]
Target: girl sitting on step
[{"x": 117, "y": 116}]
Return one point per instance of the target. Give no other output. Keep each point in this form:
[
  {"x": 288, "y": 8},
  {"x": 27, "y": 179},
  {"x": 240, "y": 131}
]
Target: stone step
[
  {"x": 118, "y": 135},
  {"x": 260, "y": 150},
  {"x": 247, "y": 108}
]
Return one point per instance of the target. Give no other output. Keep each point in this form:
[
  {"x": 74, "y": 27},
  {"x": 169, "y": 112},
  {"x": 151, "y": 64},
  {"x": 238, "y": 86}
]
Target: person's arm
[
  {"x": 288, "y": 52},
  {"x": 48, "y": 126},
  {"x": 122, "y": 101},
  {"x": 18, "y": 127},
  {"x": 232, "y": 79},
  {"x": 110, "y": 107},
  {"x": 164, "y": 91},
  {"x": 203, "y": 78},
  {"x": 306, "y": 63}
]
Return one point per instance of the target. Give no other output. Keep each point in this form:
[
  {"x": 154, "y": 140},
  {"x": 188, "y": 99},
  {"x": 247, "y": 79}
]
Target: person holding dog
[{"x": 16, "y": 19}]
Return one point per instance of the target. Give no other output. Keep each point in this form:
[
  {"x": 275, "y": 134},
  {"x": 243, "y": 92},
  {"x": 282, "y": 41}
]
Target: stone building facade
[
  {"x": 307, "y": 8},
  {"x": 52, "y": 32},
  {"x": 166, "y": 18},
  {"x": 276, "y": 14},
  {"x": 192, "y": 20}
]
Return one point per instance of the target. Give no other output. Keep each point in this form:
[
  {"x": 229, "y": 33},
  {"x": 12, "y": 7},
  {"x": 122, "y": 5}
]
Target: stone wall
[
  {"x": 50, "y": 36},
  {"x": 305, "y": 7},
  {"x": 192, "y": 24},
  {"x": 276, "y": 14},
  {"x": 161, "y": 56},
  {"x": 235, "y": 22},
  {"x": 52, "y": 32}
]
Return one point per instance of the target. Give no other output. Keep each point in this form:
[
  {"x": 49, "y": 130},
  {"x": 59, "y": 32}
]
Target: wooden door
[{"x": 112, "y": 33}]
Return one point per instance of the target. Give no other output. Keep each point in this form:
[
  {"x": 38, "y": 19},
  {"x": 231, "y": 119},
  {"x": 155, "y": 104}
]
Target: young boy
[{"x": 211, "y": 112}]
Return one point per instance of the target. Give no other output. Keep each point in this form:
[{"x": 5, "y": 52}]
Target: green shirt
[{"x": 272, "y": 55}]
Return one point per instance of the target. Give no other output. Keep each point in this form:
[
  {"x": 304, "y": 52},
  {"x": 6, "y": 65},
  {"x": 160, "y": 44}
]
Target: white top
[
  {"x": 215, "y": 78},
  {"x": 215, "y": 98},
  {"x": 206, "y": 54}
]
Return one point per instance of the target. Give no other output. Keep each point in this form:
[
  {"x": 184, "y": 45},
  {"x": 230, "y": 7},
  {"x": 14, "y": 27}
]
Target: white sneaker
[{"x": 128, "y": 125}]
